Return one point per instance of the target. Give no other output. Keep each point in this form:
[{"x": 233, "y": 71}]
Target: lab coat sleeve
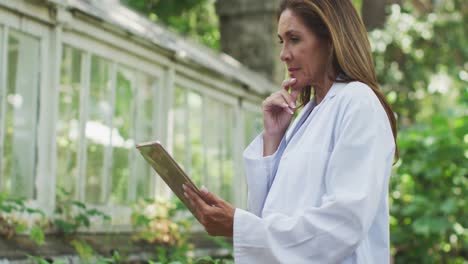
[
  {"x": 258, "y": 170},
  {"x": 357, "y": 174}
]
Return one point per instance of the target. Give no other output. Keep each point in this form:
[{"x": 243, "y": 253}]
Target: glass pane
[
  {"x": 196, "y": 143},
  {"x": 122, "y": 135},
  {"x": 253, "y": 125},
  {"x": 180, "y": 120},
  {"x": 68, "y": 120},
  {"x": 21, "y": 115},
  {"x": 98, "y": 132},
  {"x": 145, "y": 176},
  {"x": 228, "y": 153},
  {"x": 213, "y": 144},
  {"x": 3, "y": 179}
]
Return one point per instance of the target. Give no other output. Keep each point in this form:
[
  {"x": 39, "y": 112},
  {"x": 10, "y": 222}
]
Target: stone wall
[{"x": 249, "y": 34}]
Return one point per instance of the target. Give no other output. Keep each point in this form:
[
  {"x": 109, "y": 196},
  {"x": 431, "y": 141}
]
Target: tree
[
  {"x": 192, "y": 18},
  {"x": 373, "y": 13}
]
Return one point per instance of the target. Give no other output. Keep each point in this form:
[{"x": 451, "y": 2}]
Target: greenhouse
[{"x": 82, "y": 83}]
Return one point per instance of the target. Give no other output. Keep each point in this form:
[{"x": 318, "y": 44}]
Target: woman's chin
[{"x": 298, "y": 86}]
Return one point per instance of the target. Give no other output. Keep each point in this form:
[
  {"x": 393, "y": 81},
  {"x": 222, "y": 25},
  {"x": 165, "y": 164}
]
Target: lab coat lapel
[
  {"x": 300, "y": 117},
  {"x": 311, "y": 109}
]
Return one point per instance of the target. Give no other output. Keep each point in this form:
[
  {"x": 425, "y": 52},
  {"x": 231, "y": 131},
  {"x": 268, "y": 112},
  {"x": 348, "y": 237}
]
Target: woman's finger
[
  {"x": 210, "y": 198},
  {"x": 290, "y": 100},
  {"x": 281, "y": 102},
  {"x": 198, "y": 202},
  {"x": 287, "y": 83}
]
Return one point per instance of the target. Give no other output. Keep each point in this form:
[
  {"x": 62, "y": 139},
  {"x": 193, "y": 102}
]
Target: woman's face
[{"x": 302, "y": 51}]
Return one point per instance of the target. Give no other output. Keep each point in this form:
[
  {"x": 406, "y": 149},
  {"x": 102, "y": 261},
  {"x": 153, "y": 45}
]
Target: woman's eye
[{"x": 294, "y": 40}]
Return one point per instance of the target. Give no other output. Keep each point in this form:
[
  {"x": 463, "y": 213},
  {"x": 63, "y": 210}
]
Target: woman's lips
[{"x": 291, "y": 71}]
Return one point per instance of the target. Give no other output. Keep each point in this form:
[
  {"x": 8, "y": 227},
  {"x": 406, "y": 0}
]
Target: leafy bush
[
  {"x": 70, "y": 215},
  {"x": 11, "y": 224},
  {"x": 428, "y": 190},
  {"x": 421, "y": 61},
  {"x": 166, "y": 224}
]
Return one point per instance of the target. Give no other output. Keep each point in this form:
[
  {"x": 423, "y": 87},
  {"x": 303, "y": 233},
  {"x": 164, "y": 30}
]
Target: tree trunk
[{"x": 373, "y": 13}]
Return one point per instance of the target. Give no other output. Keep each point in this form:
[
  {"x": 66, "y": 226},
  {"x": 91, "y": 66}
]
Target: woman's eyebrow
[{"x": 289, "y": 32}]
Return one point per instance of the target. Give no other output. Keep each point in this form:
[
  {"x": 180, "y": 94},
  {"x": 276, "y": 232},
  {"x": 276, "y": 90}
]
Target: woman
[{"x": 318, "y": 187}]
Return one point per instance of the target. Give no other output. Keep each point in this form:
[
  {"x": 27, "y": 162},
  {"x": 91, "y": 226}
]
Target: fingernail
[
  {"x": 293, "y": 105},
  {"x": 290, "y": 111},
  {"x": 203, "y": 189},
  {"x": 185, "y": 194},
  {"x": 285, "y": 105},
  {"x": 293, "y": 79},
  {"x": 184, "y": 187}
]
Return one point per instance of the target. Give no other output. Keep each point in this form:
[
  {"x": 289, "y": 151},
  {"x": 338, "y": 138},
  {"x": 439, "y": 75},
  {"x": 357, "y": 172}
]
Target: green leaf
[
  {"x": 82, "y": 219},
  {"x": 38, "y": 259},
  {"x": 79, "y": 204},
  {"x": 35, "y": 211},
  {"x": 449, "y": 206},
  {"x": 37, "y": 235},
  {"x": 21, "y": 228},
  {"x": 7, "y": 208},
  {"x": 65, "y": 227}
]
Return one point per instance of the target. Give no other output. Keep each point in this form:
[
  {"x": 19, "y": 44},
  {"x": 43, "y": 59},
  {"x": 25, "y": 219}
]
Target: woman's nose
[{"x": 285, "y": 54}]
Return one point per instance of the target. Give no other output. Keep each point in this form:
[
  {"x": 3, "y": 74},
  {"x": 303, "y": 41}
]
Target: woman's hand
[
  {"x": 278, "y": 110},
  {"x": 215, "y": 214}
]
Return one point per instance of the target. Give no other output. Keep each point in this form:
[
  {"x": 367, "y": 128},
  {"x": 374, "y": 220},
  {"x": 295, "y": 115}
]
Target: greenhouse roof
[{"x": 112, "y": 12}]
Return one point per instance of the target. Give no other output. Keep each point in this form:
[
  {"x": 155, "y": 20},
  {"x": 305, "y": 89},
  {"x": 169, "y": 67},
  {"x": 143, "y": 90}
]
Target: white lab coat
[{"x": 328, "y": 199}]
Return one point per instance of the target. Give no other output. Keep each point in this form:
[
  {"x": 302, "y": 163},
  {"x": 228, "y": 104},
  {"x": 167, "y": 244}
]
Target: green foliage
[
  {"x": 210, "y": 260},
  {"x": 11, "y": 224},
  {"x": 71, "y": 214},
  {"x": 167, "y": 225},
  {"x": 84, "y": 250},
  {"x": 37, "y": 235},
  {"x": 428, "y": 193},
  {"x": 222, "y": 243},
  {"x": 86, "y": 256},
  {"x": 40, "y": 260},
  {"x": 193, "y": 18},
  {"x": 421, "y": 61}
]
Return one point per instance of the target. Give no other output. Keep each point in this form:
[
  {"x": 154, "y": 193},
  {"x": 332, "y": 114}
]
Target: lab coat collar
[
  {"x": 333, "y": 90},
  {"x": 311, "y": 104}
]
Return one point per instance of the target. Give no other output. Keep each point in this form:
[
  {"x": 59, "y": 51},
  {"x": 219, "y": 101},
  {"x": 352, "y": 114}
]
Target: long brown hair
[{"x": 338, "y": 23}]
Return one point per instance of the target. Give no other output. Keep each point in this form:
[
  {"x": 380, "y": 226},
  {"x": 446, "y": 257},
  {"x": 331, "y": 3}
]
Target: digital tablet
[{"x": 168, "y": 169}]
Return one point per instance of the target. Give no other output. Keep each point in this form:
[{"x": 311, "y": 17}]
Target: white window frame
[
  {"x": 98, "y": 38},
  {"x": 118, "y": 58},
  {"x": 11, "y": 21},
  {"x": 213, "y": 93},
  {"x": 246, "y": 106}
]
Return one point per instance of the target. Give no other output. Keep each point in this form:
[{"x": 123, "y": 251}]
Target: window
[
  {"x": 122, "y": 137},
  {"x": 98, "y": 130},
  {"x": 195, "y": 115},
  {"x": 227, "y": 152},
  {"x": 145, "y": 122},
  {"x": 214, "y": 144},
  {"x": 180, "y": 129},
  {"x": 19, "y": 111},
  {"x": 68, "y": 125},
  {"x": 252, "y": 125},
  {"x": 219, "y": 130},
  {"x": 203, "y": 139},
  {"x": 116, "y": 116}
]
